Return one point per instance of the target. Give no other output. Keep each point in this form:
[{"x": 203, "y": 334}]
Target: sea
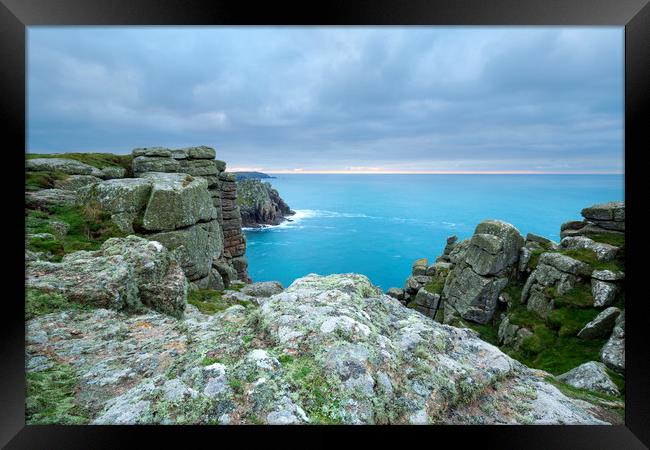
[{"x": 379, "y": 224}]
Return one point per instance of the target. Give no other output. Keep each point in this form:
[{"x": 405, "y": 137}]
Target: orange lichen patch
[{"x": 143, "y": 324}]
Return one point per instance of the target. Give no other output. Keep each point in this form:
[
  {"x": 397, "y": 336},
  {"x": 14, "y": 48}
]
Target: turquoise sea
[{"x": 378, "y": 225}]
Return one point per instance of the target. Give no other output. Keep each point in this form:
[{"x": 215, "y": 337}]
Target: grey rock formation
[
  {"x": 592, "y": 376},
  {"x": 613, "y": 352},
  {"x": 396, "y": 293},
  {"x": 607, "y": 275},
  {"x": 426, "y": 302},
  {"x": 124, "y": 274},
  {"x": 260, "y": 204},
  {"x": 375, "y": 362},
  {"x": 604, "y": 292},
  {"x": 46, "y": 199},
  {"x": 605, "y": 218},
  {"x": 601, "y": 326},
  {"x": 262, "y": 289},
  {"x": 482, "y": 267},
  {"x": 63, "y": 165},
  {"x": 75, "y": 182}
]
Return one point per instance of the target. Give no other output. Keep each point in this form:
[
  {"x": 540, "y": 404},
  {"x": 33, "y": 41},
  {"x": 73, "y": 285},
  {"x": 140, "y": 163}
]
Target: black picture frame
[{"x": 16, "y": 15}]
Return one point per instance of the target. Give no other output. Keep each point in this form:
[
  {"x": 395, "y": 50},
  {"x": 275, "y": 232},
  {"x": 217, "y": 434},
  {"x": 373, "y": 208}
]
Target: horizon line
[{"x": 428, "y": 172}]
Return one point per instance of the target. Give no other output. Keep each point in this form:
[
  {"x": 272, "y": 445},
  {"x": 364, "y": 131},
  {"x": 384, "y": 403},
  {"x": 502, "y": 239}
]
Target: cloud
[{"x": 327, "y": 98}]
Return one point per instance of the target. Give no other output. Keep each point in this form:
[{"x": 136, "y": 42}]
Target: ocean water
[{"x": 378, "y": 225}]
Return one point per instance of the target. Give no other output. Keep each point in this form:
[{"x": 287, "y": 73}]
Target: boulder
[
  {"x": 196, "y": 246},
  {"x": 63, "y": 165},
  {"x": 611, "y": 211},
  {"x": 109, "y": 173},
  {"x": 420, "y": 267},
  {"x": 201, "y": 152},
  {"x": 426, "y": 302},
  {"x": 396, "y": 293},
  {"x": 494, "y": 247},
  {"x": 75, "y": 182},
  {"x": 124, "y": 198},
  {"x": 604, "y": 292},
  {"x": 601, "y": 326},
  {"x": 613, "y": 352},
  {"x": 200, "y": 167},
  {"x": 565, "y": 264},
  {"x": 473, "y": 296},
  {"x": 46, "y": 199},
  {"x": 227, "y": 272},
  {"x": 262, "y": 289},
  {"x": 532, "y": 237},
  {"x": 143, "y": 164},
  {"x": 152, "y": 151},
  {"x": 160, "y": 279},
  {"x": 88, "y": 278},
  {"x": 177, "y": 200},
  {"x": 607, "y": 275},
  {"x": 604, "y": 252},
  {"x": 212, "y": 281},
  {"x": 592, "y": 376}
]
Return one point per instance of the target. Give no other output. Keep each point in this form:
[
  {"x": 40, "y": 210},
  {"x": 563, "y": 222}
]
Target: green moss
[
  {"x": 568, "y": 321},
  {"x": 435, "y": 286},
  {"x": 209, "y": 301},
  {"x": 316, "y": 391},
  {"x": 51, "y": 397},
  {"x": 534, "y": 257},
  {"x": 237, "y": 386},
  {"x": 35, "y": 181},
  {"x": 38, "y": 303},
  {"x": 582, "y": 394},
  {"x": 99, "y": 160},
  {"x": 588, "y": 256}
]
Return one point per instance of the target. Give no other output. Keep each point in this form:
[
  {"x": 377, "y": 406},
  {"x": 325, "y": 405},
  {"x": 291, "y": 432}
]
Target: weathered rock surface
[
  {"x": 481, "y": 268},
  {"x": 605, "y": 218},
  {"x": 590, "y": 375},
  {"x": 260, "y": 204},
  {"x": 75, "y": 182},
  {"x": 124, "y": 274},
  {"x": 262, "y": 289},
  {"x": 613, "y": 352},
  {"x": 426, "y": 302},
  {"x": 604, "y": 252},
  {"x": 604, "y": 292},
  {"x": 602, "y": 324},
  {"x": 63, "y": 165},
  {"x": 327, "y": 349},
  {"x": 46, "y": 199},
  {"x": 177, "y": 200}
]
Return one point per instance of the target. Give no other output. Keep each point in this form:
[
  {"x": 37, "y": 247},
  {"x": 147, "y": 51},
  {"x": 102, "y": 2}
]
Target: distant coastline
[{"x": 251, "y": 176}]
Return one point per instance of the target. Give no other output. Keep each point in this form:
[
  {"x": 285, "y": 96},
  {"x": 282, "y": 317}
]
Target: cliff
[
  {"x": 135, "y": 316},
  {"x": 260, "y": 204}
]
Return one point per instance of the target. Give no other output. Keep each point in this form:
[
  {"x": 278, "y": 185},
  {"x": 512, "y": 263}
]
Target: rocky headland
[
  {"x": 260, "y": 204},
  {"x": 140, "y": 311}
]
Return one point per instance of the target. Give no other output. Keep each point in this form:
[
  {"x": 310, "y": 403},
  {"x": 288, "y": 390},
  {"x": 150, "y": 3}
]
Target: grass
[
  {"x": 487, "y": 332},
  {"x": 99, "y": 160},
  {"x": 209, "y": 301},
  {"x": 435, "y": 286},
  {"x": 89, "y": 225},
  {"x": 38, "y": 303},
  {"x": 579, "y": 296},
  {"x": 582, "y": 394},
  {"x": 51, "y": 397},
  {"x": 615, "y": 239},
  {"x": 534, "y": 257},
  {"x": 35, "y": 181}
]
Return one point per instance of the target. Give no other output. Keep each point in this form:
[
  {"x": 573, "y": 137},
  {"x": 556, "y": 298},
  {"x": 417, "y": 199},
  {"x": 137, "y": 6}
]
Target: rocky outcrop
[
  {"x": 605, "y": 218},
  {"x": 481, "y": 271},
  {"x": 602, "y": 325},
  {"x": 124, "y": 274},
  {"x": 326, "y": 350},
  {"x": 183, "y": 199},
  {"x": 592, "y": 376},
  {"x": 260, "y": 204},
  {"x": 63, "y": 165}
]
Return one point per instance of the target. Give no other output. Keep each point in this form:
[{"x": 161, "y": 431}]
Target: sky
[{"x": 336, "y": 99}]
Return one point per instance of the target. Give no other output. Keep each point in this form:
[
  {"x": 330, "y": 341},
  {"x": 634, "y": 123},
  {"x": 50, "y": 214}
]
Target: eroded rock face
[
  {"x": 494, "y": 247},
  {"x": 365, "y": 357},
  {"x": 46, "y": 199},
  {"x": 604, "y": 252},
  {"x": 590, "y": 375}
]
